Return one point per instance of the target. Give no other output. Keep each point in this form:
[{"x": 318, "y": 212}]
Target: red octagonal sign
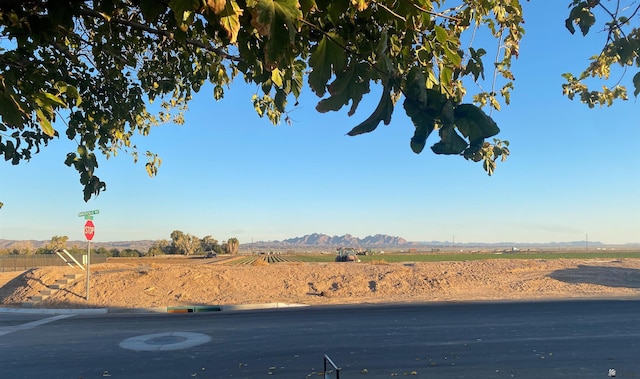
[{"x": 89, "y": 230}]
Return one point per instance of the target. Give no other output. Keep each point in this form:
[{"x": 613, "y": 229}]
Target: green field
[
  {"x": 439, "y": 257},
  {"x": 443, "y": 257}
]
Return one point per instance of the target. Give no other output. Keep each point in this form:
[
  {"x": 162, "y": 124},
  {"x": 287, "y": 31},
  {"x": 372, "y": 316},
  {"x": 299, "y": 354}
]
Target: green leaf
[
  {"x": 450, "y": 143},
  {"x": 489, "y": 166},
  {"x": 55, "y": 100},
  {"x": 582, "y": 16},
  {"x": 474, "y": 65},
  {"x": 568, "y": 23},
  {"x": 45, "y": 124},
  {"x": 419, "y": 139},
  {"x": 415, "y": 85},
  {"x": 61, "y": 14},
  {"x": 71, "y": 158},
  {"x": 218, "y": 92},
  {"x": 452, "y": 55},
  {"x": 93, "y": 186},
  {"x": 441, "y": 34},
  {"x": 9, "y": 150},
  {"x": 10, "y": 110},
  {"x": 278, "y": 20},
  {"x": 473, "y": 123},
  {"x": 297, "y": 79},
  {"x": 349, "y": 85},
  {"x": 447, "y": 116},
  {"x": 382, "y": 113},
  {"x": 383, "y": 43},
  {"x": 280, "y": 100},
  {"x": 276, "y": 77},
  {"x": 424, "y": 55},
  {"x": 307, "y": 5},
  {"x": 586, "y": 22},
  {"x": 332, "y": 103},
  {"x": 435, "y": 102},
  {"x": 326, "y": 58},
  {"x": 445, "y": 77},
  {"x": 335, "y": 10},
  {"x": 422, "y": 120},
  {"x": 230, "y": 20},
  {"x": 72, "y": 92},
  {"x": 472, "y": 152},
  {"x": 152, "y": 9},
  {"x": 183, "y": 11},
  {"x": 636, "y": 84}
]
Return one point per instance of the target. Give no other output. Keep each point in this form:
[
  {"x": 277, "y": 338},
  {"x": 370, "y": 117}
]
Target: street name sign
[{"x": 88, "y": 213}]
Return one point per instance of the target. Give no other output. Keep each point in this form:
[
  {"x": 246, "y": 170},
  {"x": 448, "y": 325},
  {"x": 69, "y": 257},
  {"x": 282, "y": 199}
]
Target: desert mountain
[{"x": 317, "y": 239}]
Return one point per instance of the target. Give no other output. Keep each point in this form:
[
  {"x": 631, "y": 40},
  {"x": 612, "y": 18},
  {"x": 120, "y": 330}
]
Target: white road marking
[
  {"x": 29, "y": 325},
  {"x": 165, "y": 341}
]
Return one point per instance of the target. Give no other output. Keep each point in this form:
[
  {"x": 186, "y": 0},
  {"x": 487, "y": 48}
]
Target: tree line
[
  {"x": 188, "y": 244},
  {"x": 180, "y": 243}
]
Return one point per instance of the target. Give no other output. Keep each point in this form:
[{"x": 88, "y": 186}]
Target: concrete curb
[
  {"x": 45, "y": 311},
  {"x": 177, "y": 309}
]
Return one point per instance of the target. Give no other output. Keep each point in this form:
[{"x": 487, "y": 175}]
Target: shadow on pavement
[{"x": 600, "y": 275}]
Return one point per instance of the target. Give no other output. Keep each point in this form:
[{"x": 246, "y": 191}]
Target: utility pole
[{"x": 586, "y": 239}]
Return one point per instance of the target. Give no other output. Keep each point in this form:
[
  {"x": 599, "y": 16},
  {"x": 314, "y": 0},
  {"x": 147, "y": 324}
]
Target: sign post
[{"x": 89, "y": 232}]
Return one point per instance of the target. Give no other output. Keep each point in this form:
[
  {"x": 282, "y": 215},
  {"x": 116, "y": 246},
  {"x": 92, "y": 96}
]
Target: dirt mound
[{"x": 148, "y": 283}]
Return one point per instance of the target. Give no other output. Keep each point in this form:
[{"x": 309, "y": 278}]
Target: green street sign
[{"x": 88, "y": 213}]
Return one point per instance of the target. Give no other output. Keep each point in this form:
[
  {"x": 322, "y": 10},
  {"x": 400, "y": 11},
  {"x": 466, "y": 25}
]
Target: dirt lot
[{"x": 158, "y": 283}]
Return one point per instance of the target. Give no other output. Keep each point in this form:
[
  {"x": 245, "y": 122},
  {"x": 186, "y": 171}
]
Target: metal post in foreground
[
  {"x": 89, "y": 232},
  {"x": 336, "y": 368}
]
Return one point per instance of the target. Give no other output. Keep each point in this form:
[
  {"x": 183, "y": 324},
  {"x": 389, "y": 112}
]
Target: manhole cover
[{"x": 165, "y": 341}]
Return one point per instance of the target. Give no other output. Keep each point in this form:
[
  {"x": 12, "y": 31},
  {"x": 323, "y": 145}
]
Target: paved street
[{"x": 568, "y": 339}]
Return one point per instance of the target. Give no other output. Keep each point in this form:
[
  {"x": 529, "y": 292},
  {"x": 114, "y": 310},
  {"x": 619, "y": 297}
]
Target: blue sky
[{"x": 573, "y": 172}]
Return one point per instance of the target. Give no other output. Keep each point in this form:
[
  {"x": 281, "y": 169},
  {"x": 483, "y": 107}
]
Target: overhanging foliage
[{"x": 87, "y": 70}]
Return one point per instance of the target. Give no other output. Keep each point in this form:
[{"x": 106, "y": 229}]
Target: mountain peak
[{"x": 318, "y": 239}]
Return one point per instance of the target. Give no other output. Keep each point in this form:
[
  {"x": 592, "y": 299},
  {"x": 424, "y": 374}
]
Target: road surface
[{"x": 560, "y": 339}]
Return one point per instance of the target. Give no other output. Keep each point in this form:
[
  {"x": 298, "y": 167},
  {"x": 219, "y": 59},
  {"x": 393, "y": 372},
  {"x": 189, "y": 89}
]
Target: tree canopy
[
  {"x": 88, "y": 70},
  {"x": 188, "y": 244}
]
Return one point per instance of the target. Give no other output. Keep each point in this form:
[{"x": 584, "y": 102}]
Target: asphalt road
[{"x": 568, "y": 339}]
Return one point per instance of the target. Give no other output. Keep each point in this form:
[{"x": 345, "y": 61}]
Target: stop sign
[{"x": 89, "y": 230}]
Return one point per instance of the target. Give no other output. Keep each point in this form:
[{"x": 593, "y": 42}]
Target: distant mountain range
[{"x": 319, "y": 240}]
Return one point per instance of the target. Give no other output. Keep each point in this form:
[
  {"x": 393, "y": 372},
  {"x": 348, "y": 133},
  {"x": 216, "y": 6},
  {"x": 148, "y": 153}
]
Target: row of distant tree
[
  {"x": 187, "y": 244},
  {"x": 180, "y": 243}
]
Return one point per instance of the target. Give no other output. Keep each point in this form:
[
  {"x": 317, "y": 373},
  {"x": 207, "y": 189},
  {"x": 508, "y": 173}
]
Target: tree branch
[
  {"x": 436, "y": 13},
  {"x": 389, "y": 10},
  {"x": 163, "y": 33}
]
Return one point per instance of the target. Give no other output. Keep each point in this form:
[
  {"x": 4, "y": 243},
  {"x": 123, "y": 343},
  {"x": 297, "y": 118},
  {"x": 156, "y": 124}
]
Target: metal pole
[
  {"x": 88, "y": 266},
  {"x": 586, "y": 238}
]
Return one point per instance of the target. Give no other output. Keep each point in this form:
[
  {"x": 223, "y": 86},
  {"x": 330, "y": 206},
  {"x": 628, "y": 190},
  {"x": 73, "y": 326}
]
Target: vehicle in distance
[{"x": 347, "y": 254}]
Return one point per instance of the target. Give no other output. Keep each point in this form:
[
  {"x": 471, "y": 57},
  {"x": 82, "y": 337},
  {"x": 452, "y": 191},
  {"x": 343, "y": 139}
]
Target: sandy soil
[{"x": 156, "y": 283}]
